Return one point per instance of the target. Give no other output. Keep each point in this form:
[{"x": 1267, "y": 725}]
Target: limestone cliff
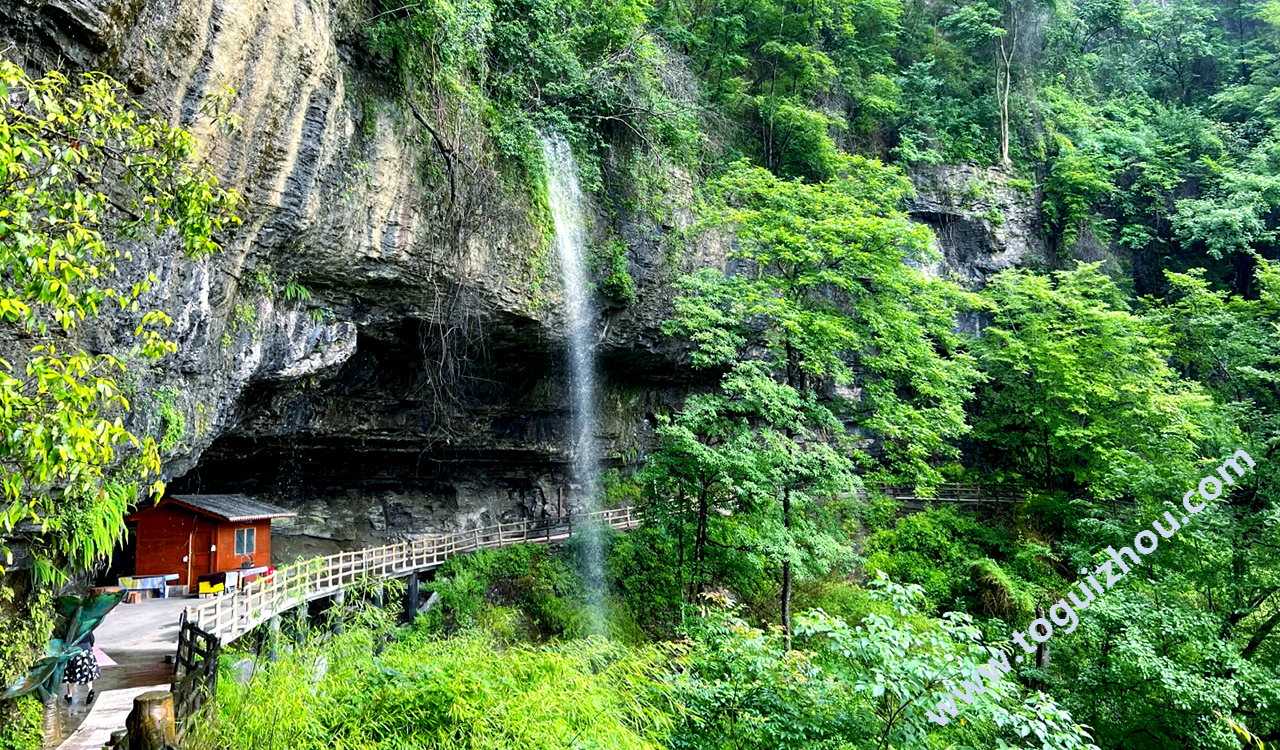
[
  {"x": 422, "y": 386},
  {"x": 984, "y": 221}
]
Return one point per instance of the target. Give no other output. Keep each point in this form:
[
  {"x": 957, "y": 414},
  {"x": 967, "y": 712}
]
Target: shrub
[
  {"x": 465, "y": 692},
  {"x": 21, "y": 724}
]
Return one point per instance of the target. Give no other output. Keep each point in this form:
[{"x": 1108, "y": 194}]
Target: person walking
[{"x": 82, "y": 669}]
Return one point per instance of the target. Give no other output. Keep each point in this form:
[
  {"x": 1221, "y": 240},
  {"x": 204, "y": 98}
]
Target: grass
[
  {"x": 467, "y": 691},
  {"x": 495, "y": 665}
]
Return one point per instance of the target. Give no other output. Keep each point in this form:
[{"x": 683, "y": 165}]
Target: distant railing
[
  {"x": 232, "y": 615},
  {"x": 950, "y": 493}
]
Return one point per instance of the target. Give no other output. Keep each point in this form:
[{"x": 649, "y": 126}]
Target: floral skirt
[{"x": 82, "y": 668}]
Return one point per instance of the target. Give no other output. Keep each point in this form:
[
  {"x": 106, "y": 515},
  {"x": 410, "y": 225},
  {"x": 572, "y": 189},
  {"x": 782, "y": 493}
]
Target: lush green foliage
[
  {"x": 523, "y": 592},
  {"x": 854, "y": 686},
  {"x": 583, "y": 66},
  {"x": 26, "y": 623},
  {"x": 829, "y": 290},
  {"x": 1150, "y": 125},
  {"x": 824, "y": 297},
  {"x": 468, "y": 691},
  {"x": 22, "y": 724},
  {"x": 70, "y": 465},
  {"x": 950, "y": 554},
  {"x": 1078, "y": 392},
  {"x": 725, "y": 684}
]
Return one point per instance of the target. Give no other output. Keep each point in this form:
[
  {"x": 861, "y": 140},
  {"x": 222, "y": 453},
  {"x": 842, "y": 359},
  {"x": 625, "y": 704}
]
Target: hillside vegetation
[
  {"x": 765, "y": 603},
  {"x": 804, "y": 618}
]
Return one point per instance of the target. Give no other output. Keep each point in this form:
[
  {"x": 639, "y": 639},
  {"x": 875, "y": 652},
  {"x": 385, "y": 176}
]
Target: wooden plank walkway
[{"x": 231, "y": 616}]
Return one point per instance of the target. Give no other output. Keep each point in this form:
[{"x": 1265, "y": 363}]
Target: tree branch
[{"x": 445, "y": 151}]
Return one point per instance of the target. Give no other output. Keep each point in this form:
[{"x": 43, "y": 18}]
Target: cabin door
[{"x": 201, "y": 559}]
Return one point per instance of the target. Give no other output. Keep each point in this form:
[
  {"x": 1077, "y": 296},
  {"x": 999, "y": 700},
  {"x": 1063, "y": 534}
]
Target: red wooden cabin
[{"x": 193, "y": 535}]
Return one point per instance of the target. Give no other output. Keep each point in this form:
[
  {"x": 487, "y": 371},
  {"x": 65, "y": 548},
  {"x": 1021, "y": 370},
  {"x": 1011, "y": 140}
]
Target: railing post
[
  {"x": 273, "y": 639},
  {"x": 300, "y": 623},
  {"x": 151, "y": 723},
  {"x": 411, "y": 598}
]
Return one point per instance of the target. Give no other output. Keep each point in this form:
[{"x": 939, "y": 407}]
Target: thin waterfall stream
[{"x": 564, "y": 195}]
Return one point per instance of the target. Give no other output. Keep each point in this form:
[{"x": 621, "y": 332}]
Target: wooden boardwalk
[
  {"x": 109, "y": 713},
  {"x": 231, "y": 616},
  {"x": 975, "y": 494}
]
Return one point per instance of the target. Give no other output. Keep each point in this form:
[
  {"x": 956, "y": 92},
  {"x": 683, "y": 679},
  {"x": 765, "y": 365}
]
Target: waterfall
[{"x": 565, "y": 198}]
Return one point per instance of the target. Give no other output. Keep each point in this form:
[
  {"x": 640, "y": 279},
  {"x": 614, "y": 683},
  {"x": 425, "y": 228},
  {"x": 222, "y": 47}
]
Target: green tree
[
  {"x": 1232, "y": 346},
  {"x": 708, "y": 469},
  {"x": 84, "y": 174},
  {"x": 1132, "y": 390},
  {"x": 1078, "y": 395},
  {"x": 866, "y": 685},
  {"x": 826, "y": 329}
]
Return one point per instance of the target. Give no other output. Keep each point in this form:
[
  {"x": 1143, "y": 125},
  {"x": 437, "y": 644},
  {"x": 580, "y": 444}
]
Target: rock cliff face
[
  {"x": 984, "y": 221},
  {"x": 423, "y": 386}
]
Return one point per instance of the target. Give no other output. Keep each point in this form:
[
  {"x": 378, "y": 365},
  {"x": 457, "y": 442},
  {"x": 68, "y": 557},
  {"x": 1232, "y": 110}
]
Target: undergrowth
[{"x": 470, "y": 690}]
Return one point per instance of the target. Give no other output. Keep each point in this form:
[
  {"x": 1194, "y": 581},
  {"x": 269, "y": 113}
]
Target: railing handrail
[
  {"x": 235, "y": 614},
  {"x": 949, "y": 491}
]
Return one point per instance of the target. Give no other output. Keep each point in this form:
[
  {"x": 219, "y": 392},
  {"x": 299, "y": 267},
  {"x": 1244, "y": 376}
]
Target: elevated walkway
[
  {"x": 953, "y": 492},
  {"x": 230, "y": 616}
]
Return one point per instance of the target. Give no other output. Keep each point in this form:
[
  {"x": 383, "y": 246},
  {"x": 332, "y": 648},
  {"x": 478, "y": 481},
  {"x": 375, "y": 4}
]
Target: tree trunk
[
  {"x": 273, "y": 639},
  {"x": 411, "y": 598},
  {"x": 795, "y": 379},
  {"x": 680, "y": 557},
  {"x": 1263, "y": 631},
  {"x": 699, "y": 546},
  {"x": 1042, "y": 649},
  {"x": 1005, "y": 161},
  {"x": 786, "y": 569},
  {"x": 1004, "y": 82},
  {"x": 150, "y": 724}
]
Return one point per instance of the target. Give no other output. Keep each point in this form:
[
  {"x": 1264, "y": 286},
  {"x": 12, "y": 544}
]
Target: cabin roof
[{"x": 232, "y": 508}]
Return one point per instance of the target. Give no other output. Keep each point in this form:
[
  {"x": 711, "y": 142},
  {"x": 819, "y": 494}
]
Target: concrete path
[{"x": 137, "y": 637}]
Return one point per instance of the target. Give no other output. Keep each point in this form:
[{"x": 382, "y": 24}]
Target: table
[{"x": 159, "y": 583}]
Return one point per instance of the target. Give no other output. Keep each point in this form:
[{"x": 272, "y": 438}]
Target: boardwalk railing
[
  {"x": 950, "y": 493},
  {"x": 195, "y": 670},
  {"x": 230, "y": 616}
]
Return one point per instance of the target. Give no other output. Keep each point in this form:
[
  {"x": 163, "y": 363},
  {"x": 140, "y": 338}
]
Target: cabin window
[{"x": 246, "y": 541}]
